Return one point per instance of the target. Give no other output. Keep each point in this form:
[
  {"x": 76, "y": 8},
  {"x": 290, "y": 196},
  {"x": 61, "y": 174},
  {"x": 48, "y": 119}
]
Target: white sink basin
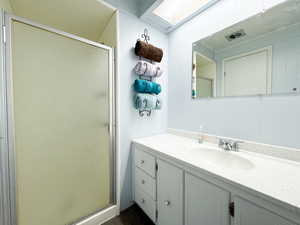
[{"x": 222, "y": 158}]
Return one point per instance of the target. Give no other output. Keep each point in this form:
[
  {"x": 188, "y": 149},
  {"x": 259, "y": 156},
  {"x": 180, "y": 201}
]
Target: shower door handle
[{"x": 107, "y": 126}]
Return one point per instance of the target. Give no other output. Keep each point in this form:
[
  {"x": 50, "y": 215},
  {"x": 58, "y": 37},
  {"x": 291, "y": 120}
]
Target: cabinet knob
[
  {"x": 142, "y": 161},
  {"x": 167, "y": 203},
  {"x": 143, "y": 201},
  {"x": 143, "y": 181}
]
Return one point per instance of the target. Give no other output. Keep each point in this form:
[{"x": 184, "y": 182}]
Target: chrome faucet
[
  {"x": 229, "y": 145},
  {"x": 201, "y": 137}
]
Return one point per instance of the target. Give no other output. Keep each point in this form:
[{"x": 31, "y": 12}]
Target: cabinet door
[
  {"x": 247, "y": 213},
  {"x": 169, "y": 194},
  {"x": 206, "y": 203}
]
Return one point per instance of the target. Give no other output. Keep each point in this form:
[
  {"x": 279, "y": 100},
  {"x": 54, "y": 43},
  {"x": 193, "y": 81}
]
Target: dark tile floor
[{"x": 131, "y": 216}]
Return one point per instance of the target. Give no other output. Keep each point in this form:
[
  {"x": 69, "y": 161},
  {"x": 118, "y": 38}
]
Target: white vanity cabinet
[
  {"x": 248, "y": 213},
  {"x": 205, "y": 203},
  {"x": 169, "y": 194},
  {"x": 172, "y": 193},
  {"x": 158, "y": 189},
  {"x": 145, "y": 183}
]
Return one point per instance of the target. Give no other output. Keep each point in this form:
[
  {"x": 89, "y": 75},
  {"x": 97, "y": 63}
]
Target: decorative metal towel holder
[{"x": 146, "y": 37}]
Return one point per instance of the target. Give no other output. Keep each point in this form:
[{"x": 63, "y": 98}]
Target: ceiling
[
  {"x": 144, "y": 10},
  {"x": 85, "y": 18},
  {"x": 135, "y": 7},
  {"x": 274, "y": 19}
]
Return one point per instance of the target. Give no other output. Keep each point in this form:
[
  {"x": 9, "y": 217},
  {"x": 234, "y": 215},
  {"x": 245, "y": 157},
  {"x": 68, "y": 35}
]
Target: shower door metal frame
[{"x": 8, "y": 153}]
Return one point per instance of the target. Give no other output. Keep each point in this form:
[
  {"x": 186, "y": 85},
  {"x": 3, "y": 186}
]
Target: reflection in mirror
[
  {"x": 258, "y": 56},
  {"x": 204, "y": 71}
]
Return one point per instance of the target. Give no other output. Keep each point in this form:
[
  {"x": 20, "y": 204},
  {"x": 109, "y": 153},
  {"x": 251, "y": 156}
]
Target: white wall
[
  {"x": 110, "y": 33},
  {"x": 273, "y": 120},
  {"x": 135, "y": 7},
  {"x": 131, "y": 6},
  {"x": 131, "y": 124}
]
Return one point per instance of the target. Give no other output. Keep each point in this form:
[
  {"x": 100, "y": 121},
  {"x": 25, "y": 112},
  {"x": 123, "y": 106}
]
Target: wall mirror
[{"x": 258, "y": 56}]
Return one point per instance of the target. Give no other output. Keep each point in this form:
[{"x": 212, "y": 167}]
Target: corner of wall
[
  {"x": 6, "y": 5},
  {"x": 109, "y": 34}
]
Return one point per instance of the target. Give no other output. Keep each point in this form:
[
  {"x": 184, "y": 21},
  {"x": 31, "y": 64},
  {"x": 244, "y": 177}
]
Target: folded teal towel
[
  {"x": 147, "y": 102},
  {"x": 144, "y": 86}
]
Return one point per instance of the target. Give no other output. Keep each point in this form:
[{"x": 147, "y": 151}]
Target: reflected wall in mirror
[{"x": 258, "y": 56}]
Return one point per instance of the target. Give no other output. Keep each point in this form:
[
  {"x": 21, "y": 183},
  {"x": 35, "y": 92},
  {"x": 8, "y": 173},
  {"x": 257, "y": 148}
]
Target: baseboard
[{"x": 100, "y": 217}]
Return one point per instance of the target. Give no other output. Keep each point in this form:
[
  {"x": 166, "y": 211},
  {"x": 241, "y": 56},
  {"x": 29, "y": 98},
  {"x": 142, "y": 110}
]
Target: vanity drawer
[
  {"x": 146, "y": 203},
  {"x": 145, "y": 182},
  {"x": 145, "y": 161}
]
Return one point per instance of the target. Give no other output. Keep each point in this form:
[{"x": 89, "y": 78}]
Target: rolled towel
[
  {"x": 147, "y": 102},
  {"x": 148, "y": 51},
  {"x": 144, "y": 86},
  {"x": 147, "y": 69}
]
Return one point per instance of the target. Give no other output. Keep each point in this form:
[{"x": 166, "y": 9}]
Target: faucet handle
[
  {"x": 235, "y": 145},
  {"x": 222, "y": 141},
  {"x": 201, "y": 138},
  {"x": 229, "y": 145}
]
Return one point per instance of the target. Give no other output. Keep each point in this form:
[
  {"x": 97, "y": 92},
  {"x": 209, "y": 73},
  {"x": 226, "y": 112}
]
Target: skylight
[{"x": 175, "y": 11}]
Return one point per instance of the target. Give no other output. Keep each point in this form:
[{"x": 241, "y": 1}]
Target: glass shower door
[{"x": 60, "y": 110}]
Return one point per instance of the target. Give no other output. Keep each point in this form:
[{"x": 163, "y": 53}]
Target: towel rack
[
  {"x": 146, "y": 38},
  {"x": 146, "y": 35},
  {"x": 143, "y": 112}
]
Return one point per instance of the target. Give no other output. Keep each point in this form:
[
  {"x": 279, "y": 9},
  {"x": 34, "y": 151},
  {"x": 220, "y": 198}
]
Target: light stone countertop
[{"x": 273, "y": 177}]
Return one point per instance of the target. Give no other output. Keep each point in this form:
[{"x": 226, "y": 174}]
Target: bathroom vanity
[{"x": 178, "y": 181}]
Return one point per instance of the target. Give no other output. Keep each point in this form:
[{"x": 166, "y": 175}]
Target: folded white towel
[{"x": 147, "y": 69}]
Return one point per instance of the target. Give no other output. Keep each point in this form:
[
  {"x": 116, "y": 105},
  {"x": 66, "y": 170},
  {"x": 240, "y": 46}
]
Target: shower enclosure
[{"x": 57, "y": 126}]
